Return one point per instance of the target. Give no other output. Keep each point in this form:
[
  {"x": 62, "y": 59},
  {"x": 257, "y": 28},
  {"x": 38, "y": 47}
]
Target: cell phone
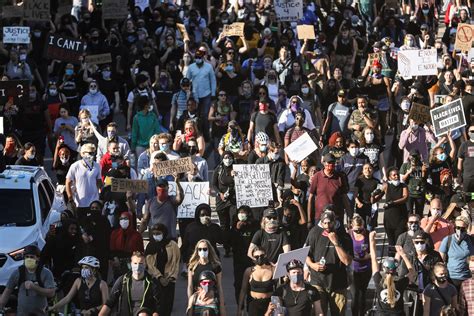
[{"x": 178, "y": 133}]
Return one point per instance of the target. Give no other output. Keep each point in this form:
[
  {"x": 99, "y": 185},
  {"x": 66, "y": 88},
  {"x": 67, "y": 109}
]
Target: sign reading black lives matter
[
  {"x": 253, "y": 185},
  {"x": 448, "y": 117},
  {"x": 64, "y": 48}
]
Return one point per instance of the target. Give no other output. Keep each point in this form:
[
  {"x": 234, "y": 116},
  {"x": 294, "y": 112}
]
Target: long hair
[
  {"x": 334, "y": 136},
  {"x": 389, "y": 284},
  {"x": 213, "y": 258}
]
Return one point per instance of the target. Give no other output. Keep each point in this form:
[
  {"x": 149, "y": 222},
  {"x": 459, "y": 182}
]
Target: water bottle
[{"x": 322, "y": 261}]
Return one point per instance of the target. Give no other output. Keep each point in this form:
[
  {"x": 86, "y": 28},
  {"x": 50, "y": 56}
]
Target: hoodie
[
  {"x": 287, "y": 117},
  {"x": 123, "y": 242},
  {"x": 143, "y": 128}
]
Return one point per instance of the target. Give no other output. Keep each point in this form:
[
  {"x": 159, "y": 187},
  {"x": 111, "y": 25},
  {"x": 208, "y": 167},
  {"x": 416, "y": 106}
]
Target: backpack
[
  {"x": 22, "y": 276},
  {"x": 136, "y": 95}
]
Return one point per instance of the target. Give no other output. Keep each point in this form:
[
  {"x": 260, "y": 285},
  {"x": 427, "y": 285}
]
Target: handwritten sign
[
  {"x": 234, "y": 29},
  {"x": 36, "y": 10},
  {"x": 93, "y": 110},
  {"x": 182, "y": 30},
  {"x": 170, "y": 167},
  {"x": 417, "y": 62},
  {"x": 114, "y": 9},
  {"x": 283, "y": 259},
  {"x": 288, "y": 10},
  {"x": 464, "y": 37},
  {"x": 195, "y": 193},
  {"x": 125, "y": 185},
  {"x": 253, "y": 186},
  {"x": 301, "y": 148},
  {"x": 448, "y": 117},
  {"x": 12, "y": 11},
  {"x": 16, "y": 91},
  {"x": 99, "y": 59},
  {"x": 420, "y": 113},
  {"x": 305, "y": 32},
  {"x": 16, "y": 34},
  {"x": 64, "y": 48}
]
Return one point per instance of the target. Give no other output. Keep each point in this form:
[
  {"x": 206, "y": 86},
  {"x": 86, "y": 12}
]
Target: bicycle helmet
[
  {"x": 207, "y": 275},
  {"x": 262, "y": 138},
  {"x": 390, "y": 265},
  {"x": 90, "y": 261},
  {"x": 294, "y": 264}
]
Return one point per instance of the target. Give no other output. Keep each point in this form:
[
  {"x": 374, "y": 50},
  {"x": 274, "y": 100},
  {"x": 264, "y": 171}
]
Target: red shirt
[{"x": 329, "y": 190}]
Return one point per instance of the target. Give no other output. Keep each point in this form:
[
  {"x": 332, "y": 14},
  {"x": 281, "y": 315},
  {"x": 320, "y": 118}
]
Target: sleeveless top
[
  {"x": 344, "y": 49},
  {"x": 395, "y": 215},
  {"x": 211, "y": 309},
  {"x": 89, "y": 297},
  {"x": 261, "y": 286}
]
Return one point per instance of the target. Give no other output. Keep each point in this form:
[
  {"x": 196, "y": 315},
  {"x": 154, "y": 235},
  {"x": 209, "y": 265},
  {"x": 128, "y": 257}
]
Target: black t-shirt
[
  {"x": 466, "y": 152},
  {"x": 206, "y": 267},
  {"x": 271, "y": 243},
  {"x": 108, "y": 88},
  {"x": 32, "y": 117},
  {"x": 383, "y": 308},
  {"x": 25, "y": 162},
  {"x": 264, "y": 123},
  {"x": 298, "y": 303},
  {"x": 365, "y": 187}
]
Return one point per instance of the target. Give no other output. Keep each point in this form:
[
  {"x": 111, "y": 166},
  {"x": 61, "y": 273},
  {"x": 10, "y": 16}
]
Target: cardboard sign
[
  {"x": 448, "y": 117},
  {"x": 288, "y": 10},
  {"x": 464, "y": 37},
  {"x": 172, "y": 167},
  {"x": 420, "y": 113},
  {"x": 182, "y": 30},
  {"x": 253, "y": 186},
  {"x": 99, "y": 59},
  {"x": 16, "y": 35},
  {"x": 417, "y": 62},
  {"x": 125, "y": 185},
  {"x": 36, "y": 10},
  {"x": 195, "y": 193},
  {"x": 114, "y": 9},
  {"x": 64, "y": 48},
  {"x": 12, "y": 11},
  {"x": 234, "y": 29},
  {"x": 305, "y": 32},
  {"x": 301, "y": 148},
  {"x": 16, "y": 91},
  {"x": 382, "y": 58},
  {"x": 283, "y": 259}
]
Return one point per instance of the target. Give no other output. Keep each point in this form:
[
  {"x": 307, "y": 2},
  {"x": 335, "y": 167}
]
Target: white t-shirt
[{"x": 85, "y": 182}]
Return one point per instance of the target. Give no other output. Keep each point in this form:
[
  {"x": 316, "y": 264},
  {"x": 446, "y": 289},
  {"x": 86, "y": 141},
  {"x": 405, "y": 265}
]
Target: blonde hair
[
  {"x": 194, "y": 125},
  {"x": 86, "y": 112},
  {"x": 212, "y": 257},
  {"x": 87, "y": 147},
  {"x": 389, "y": 284},
  {"x": 154, "y": 138}
]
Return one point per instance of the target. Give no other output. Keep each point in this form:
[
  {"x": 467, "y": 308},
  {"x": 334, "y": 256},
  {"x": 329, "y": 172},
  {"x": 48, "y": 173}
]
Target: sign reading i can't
[{"x": 64, "y": 48}]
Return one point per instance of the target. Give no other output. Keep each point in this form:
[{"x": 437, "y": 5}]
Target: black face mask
[
  {"x": 260, "y": 261},
  {"x": 193, "y": 150},
  {"x": 441, "y": 279}
]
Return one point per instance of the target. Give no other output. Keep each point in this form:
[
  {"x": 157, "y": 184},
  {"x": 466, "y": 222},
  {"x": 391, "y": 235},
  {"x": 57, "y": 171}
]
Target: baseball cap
[
  {"x": 269, "y": 212},
  {"x": 341, "y": 93},
  {"x": 329, "y": 158},
  {"x": 161, "y": 181}
]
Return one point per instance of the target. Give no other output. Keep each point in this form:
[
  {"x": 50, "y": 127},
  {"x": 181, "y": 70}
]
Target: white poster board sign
[
  {"x": 94, "y": 110},
  {"x": 288, "y": 10},
  {"x": 16, "y": 34},
  {"x": 298, "y": 254},
  {"x": 301, "y": 148},
  {"x": 253, "y": 186},
  {"x": 417, "y": 62},
  {"x": 195, "y": 193}
]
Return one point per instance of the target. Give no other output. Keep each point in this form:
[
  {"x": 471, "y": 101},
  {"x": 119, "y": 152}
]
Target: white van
[{"x": 26, "y": 196}]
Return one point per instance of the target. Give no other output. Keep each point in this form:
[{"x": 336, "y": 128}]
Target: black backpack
[{"x": 22, "y": 276}]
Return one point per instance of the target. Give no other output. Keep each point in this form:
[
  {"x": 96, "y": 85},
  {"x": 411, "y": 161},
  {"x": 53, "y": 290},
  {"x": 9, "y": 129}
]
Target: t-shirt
[
  {"x": 415, "y": 181},
  {"x": 458, "y": 255},
  {"x": 137, "y": 289},
  {"x": 272, "y": 243},
  {"x": 382, "y": 306},
  {"x": 67, "y": 134},
  {"x": 29, "y": 301},
  {"x": 436, "y": 295},
  {"x": 297, "y": 303},
  {"x": 466, "y": 152},
  {"x": 85, "y": 182},
  {"x": 440, "y": 229},
  {"x": 264, "y": 123},
  {"x": 340, "y": 117},
  {"x": 329, "y": 190},
  {"x": 372, "y": 151},
  {"x": 164, "y": 213}
]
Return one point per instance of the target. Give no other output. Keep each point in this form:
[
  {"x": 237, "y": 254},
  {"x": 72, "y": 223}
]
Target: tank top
[
  {"x": 211, "y": 309},
  {"x": 89, "y": 297},
  {"x": 344, "y": 48},
  {"x": 261, "y": 286},
  {"x": 360, "y": 248},
  {"x": 395, "y": 215},
  {"x": 379, "y": 90}
]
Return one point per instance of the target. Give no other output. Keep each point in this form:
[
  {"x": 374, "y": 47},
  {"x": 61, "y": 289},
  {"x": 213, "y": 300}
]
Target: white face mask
[
  {"x": 414, "y": 127},
  {"x": 353, "y": 151},
  {"x": 405, "y": 105},
  {"x": 420, "y": 247},
  {"x": 242, "y": 217},
  {"x": 93, "y": 91},
  {"x": 227, "y": 162},
  {"x": 158, "y": 237},
  {"x": 305, "y": 90},
  {"x": 203, "y": 253},
  {"x": 369, "y": 138},
  {"x": 395, "y": 182},
  {"x": 64, "y": 160},
  {"x": 31, "y": 157},
  {"x": 85, "y": 120},
  {"x": 124, "y": 223}
]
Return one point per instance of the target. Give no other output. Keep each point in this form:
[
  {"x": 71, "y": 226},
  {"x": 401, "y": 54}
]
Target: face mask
[
  {"x": 31, "y": 157},
  {"x": 425, "y": 11},
  {"x": 296, "y": 278},
  {"x": 193, "y": 150},
  {"x": 305, "y": 90},
  {"x": 164, "y": 147},
  {"x": 22, "y": 57},
  {"x": 441, "y": 157},
  {"x": 205, "y": 220},
  {"x": 37, "y": 34},
  {"x": 405, "y": 105},
  {"x": 205, "y": 288},
  {"x": 441, "y": 279},
  {"x": 69, "y": 72},
  {"x": 260, "y": 261},
  {"x": 32, "y": 95},
  {"x": 252, "y": 19},
  {"x": 64, "y": 160},
  {"x": 414, "y": 227},
  {"x": 124, "y": 223},
  {"x": 53, "y": 92},
  {"x": 84, "y": 120},
  {"x": 420, "y": 247},
  {"x": 199, "y": 61},
  {"x": 369, "y": 138},
  {"x": 227, "y": 162},
  {"x": 106, "y": 74},
  {"x": 353, "y": 151},
  {"x": 158, "y": 237},
  {"x": 225, "y": 21},
  {"x": 86, "y": 273},
  {"x": 229, "y": 68},
  {"x": 275, "y": 157},
  {"x": 31, "y": 263},
  {"x": 111, "y": 134},
  {"x": 242, "y": 217},
  {"x": 203, "y": 253},
  {"x": 471, "y": 136},
  {"x": 410, "y": 43},
  {"x": 138, "y": 268},
  {"x": 93, "y": 90},
  {"x": 460, "y": 234},
  {"x": 414, "y": 127},
  {"x": 262, "y": 148},
  {"x": 394, "y": 182}
]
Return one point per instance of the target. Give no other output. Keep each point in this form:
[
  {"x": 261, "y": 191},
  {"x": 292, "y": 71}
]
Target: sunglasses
[
  {"x": 259, "y": 256},
  {"x": 358, "y": 231},
  {"x": 184, "y": 85},
  {"x": 419, "y": 242},
  {"x": 424, "y": 29},
  {"x": 461, "y": 228},
  {"x": 123, "y": 218},
  {"x": 271, "y": 217},
  {"x": 202, "y": 249},
  {"x": 205, "y": 282},
  {"x": 415, "y": 222},
  {"x": 92, "y": 86}
]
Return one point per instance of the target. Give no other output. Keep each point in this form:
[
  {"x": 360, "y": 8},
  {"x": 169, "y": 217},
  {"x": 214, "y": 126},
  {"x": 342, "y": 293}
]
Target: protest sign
[
  {"x": 64, "y": 48},
  {"x": 305, "y": 32},
  {"x": 182, "y": 30},
  {"x": 301, "y": 148},
  {"x": 234, "y": 29},
  {"x": 448, "y": 117},
  {"x": 142, "y": 4},
  {"x": 16, "y": 35},
  {"x": 36, "y": 10},
  {"x": 253, "y": 186},
  {"x": 173, "y": 167},
  {"x": 125, "y": 185},
  {"x": 464, "y": 37},
  {"x": 283, "y": 259},
  {"x": 288, "y": 10},
  {"x": 14, "y": 91},
  {"x": 419, "y": 113},
  {"x": 439, "y": 98},
  {"x": 114, "y": 9},
  {"x": 93, "y": 110},
  {"x": 195, "y": 193},
  {"x": 417, "y": 62},
  {"x": 382, "y": 58},
  {"x": 99, "y": 59},
  {"x": 12, "y": 11}
]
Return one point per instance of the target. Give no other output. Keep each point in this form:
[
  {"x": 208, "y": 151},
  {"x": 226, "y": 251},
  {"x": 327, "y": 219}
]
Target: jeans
[
  {"x": 418, "y": 203},
  {"x": 335, "y": 300},
  {"x": 204, "y": 107},
  {"x": 359, "y": 291},
  {"x": 166, "y": 298}
]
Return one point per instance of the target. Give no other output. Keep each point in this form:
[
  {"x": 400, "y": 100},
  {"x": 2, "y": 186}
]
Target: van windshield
[{"x": 16, "y": 208}]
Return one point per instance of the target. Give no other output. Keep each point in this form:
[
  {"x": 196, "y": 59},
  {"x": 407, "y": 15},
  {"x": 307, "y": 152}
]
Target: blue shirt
[
  {"x": 99, "y": 101},
  {"x": 458, "y": 254},
  {"x": 203, "y": 79}
]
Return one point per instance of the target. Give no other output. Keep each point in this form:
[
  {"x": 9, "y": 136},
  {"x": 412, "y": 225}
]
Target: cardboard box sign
[
  {"x": 305, "y": 32},
  {"x": 99, "y": 59},
  {"x": 16, "y": 34},
  {"x": 64, "y": 48},
  {"x": 234, "y": 29},
  {"x": 37, "y": 10},
  {"x": 114, "y": 9},
  {"x": 419, "y": 113},
  {"x": 173, "y": 167},
  {"x": 125, "y": 185}
]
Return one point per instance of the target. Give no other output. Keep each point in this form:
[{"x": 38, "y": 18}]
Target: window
[
  {"x": 45, "y": 204},
  {"x": 16, "y": 208},
  {"x": 49, "y": 189}
]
